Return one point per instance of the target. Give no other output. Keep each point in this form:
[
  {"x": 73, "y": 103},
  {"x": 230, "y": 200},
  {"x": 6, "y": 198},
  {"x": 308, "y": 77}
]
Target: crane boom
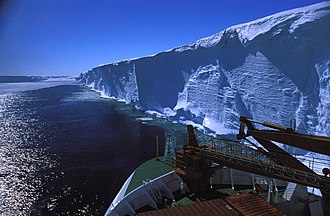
[{"x": 318, "y": 144}]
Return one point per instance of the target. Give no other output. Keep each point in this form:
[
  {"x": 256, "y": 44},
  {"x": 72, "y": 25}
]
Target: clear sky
[{"x": 67, "y": 37}]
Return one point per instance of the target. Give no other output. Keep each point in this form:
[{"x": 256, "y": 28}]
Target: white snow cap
[{"x": 248, "y": 31}]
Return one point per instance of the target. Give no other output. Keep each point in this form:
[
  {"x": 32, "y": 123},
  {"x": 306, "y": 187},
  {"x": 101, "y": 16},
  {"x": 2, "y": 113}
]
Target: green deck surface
[
  {"x": 148, "y": 171},
  {"x": 185, "y": 201}
]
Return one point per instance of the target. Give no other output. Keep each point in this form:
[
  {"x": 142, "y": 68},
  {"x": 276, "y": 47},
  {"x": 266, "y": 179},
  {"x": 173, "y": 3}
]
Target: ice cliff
[{"x": 272, "y": 69}]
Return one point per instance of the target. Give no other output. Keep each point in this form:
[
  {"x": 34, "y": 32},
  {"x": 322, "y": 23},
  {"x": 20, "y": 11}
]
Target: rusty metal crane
[
  {"x": 288, "y": 136},
  {"x": 193, "y": 163},
  {"x": 285, "y": 135}
]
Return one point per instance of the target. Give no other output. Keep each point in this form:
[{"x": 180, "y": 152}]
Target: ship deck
[
  {"x": 240, "y": 204},
  {"x": 149, "y": 170},
  {"x": 154, "y": 169}
]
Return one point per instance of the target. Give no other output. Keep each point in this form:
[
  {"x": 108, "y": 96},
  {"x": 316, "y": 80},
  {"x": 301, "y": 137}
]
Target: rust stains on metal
[
  {"x": 241, "y": 204},
  {"x": 211, "y": 207},
  {"x": 249, "y": 204}
]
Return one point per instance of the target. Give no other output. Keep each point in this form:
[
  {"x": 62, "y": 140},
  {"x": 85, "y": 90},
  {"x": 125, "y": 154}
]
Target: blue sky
[{"x": 67, "y": 37}]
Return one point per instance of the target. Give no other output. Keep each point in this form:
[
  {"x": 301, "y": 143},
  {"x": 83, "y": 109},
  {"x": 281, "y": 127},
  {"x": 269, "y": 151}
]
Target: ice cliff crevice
[{"x": 273, "y": 69}]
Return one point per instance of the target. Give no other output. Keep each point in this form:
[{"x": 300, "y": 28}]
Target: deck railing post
[{"x": 157, "y": 146}]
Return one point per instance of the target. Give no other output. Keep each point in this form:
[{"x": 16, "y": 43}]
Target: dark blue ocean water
[{"x": 66, "y": 151}]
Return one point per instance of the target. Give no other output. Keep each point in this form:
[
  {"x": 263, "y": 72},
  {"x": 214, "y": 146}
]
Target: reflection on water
[
  {"x": 21, "y": 154},
  {"x": 65, "y": 151}
]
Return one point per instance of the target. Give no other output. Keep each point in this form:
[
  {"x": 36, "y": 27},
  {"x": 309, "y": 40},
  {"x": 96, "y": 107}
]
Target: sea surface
[{"x": 64, "y": 150}]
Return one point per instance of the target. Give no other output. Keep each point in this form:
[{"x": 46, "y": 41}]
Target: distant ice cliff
[{"x": 272, "y": 69}]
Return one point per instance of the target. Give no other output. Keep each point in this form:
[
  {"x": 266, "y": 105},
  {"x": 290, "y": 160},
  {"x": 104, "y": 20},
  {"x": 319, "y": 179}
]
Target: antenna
[
  {"x": 293, "y": 124},
  {"x": 169, "y": 146}
]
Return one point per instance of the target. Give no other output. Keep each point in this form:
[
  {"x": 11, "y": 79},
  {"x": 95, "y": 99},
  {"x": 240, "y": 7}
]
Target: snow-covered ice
[
  {"x": 28, "y": 86},
  {"x": 272, "y": 69}
]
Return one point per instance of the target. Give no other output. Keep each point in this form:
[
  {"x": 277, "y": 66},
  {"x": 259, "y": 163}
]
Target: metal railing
[{"x": 266, "y": 168}]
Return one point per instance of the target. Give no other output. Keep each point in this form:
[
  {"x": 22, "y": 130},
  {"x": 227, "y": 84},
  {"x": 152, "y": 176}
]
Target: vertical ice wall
[
  {"x": 118, "y": 81},
  {"x": 273, "y": 69}
]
